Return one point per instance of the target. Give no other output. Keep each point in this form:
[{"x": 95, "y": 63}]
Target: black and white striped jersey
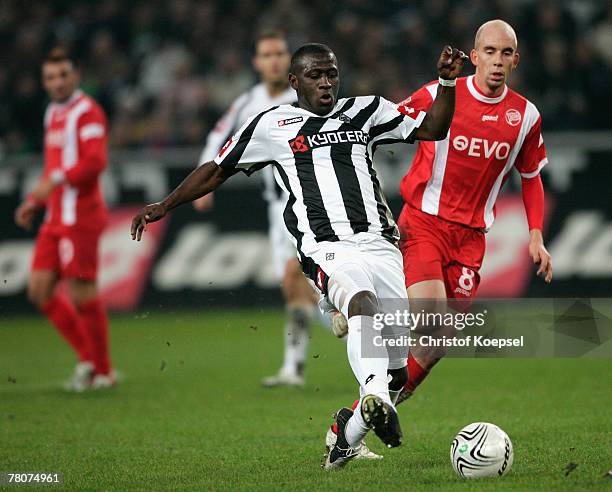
[{"x": 324, "y": 164}]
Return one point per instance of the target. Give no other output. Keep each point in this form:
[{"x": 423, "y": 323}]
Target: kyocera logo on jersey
[
  {"x": 481, "y": 147},
  {"x": 303, "y": 144},
  {"x": 298, "y": 145},
  {"x": 513, "y": 117},
  {"x": 334, "y": 137}
]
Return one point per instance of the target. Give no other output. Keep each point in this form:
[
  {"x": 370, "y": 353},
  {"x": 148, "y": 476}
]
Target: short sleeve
[
  {"x": 532, "y": 156},
  {"x": 248, "y": 150},
  {"x": 91, "y": 125},
  {"x": 391, "y": 125},
  {"x": 224, "y": 128},
  {"x": 420, "y": 100}
]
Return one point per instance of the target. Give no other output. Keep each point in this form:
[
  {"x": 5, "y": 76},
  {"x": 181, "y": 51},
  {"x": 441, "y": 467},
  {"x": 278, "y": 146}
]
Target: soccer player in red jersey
[
  {"x": 67, "y": 242},
  {"x": 451, "y": 187}
]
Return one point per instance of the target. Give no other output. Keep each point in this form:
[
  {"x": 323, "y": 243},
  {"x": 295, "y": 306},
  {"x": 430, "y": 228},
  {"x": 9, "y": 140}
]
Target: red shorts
[
  {"x": 434, "y": 248},
  {"x": 72, "y": 253}
]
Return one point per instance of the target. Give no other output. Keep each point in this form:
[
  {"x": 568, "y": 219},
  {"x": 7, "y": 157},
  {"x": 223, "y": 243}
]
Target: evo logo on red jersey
[{"x": 481, "y": 147}]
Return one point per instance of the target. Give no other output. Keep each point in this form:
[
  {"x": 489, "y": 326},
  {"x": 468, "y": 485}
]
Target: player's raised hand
[
  {"x": 451, "y": 63},
  {"x": 540, "y": 256},
  {"x": 150, "y": 213}
]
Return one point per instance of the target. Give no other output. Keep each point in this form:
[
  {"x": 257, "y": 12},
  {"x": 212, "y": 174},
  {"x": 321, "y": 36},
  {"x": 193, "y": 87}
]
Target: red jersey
[
  {"x": 458, "y": 179},
  {"x": 75, "y": 145}
]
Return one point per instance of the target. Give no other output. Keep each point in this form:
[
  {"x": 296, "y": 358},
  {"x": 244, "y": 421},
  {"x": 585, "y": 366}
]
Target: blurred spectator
[{"x": 164, "y": 71}]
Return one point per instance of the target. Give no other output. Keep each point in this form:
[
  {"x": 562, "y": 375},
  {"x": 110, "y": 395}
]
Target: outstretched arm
[
  {"x": 203, "y": 180},
  {"x": 436, "y": 124},
  {"x": 533, "y": 199}
]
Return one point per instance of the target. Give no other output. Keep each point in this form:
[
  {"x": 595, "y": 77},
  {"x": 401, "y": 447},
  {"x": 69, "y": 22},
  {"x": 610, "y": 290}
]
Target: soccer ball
[{"x": 481, "y": 450}]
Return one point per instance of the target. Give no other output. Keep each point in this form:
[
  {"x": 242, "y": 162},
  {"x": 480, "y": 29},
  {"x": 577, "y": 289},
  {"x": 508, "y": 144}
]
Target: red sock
[
  {"x": 335, "y": 426},
  {"x": 416, "y": 374},
  {"x": 93, "y": 316},
  {"x": 60, "y": 311}
]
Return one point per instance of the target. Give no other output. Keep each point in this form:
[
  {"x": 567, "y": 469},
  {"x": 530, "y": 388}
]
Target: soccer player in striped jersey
[
  {"x": 451, "y": 187},
  {"x": 342, "y": 228}
]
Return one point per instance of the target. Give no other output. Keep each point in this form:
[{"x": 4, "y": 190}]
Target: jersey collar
[
  {"x": 314, "y": 115},
  {"x": 75, "y": 95},
  {"x": 479, "y": 96}
]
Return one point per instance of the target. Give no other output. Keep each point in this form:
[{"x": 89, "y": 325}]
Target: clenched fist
[{"x": 451, "y": 63}]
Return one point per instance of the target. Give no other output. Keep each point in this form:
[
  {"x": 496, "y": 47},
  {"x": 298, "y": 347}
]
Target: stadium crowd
[{"x": 165, "y": 71}]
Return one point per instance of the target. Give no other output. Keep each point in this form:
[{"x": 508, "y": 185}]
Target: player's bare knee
[
  {"x": 35, "y": 295},
  {"x": 427, "y": 356},
  {"x": 363, "y": 303},
  {"x": 432, "y": 359},
  {"x": 291, "y": 278},
  {"x": 433, "y": 321},
  {"x": 39, "y": 293},
  {"x": 82, "y": 290}
]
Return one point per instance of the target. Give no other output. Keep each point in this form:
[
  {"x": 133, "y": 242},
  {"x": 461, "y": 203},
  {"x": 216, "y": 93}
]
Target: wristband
[{"x": 447, "y": 82}]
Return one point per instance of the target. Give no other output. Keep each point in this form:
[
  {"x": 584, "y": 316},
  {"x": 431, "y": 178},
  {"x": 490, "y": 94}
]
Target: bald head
[
  {"x": 495, "y": 28},
  {"x": 495, "y": 56}
]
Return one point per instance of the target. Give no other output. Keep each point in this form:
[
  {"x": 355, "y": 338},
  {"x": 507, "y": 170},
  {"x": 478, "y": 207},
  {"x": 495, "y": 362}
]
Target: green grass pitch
[{"x": 190, "y": 413}]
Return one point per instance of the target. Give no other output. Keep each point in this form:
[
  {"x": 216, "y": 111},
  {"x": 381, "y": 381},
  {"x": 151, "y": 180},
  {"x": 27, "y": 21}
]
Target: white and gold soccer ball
[{"x": 481, "y": 450}]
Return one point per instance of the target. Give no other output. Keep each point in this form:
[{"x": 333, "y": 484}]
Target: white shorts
[
  {"x": 371, "y": 253},
  {"x": 365, "y": 262},
  {"x": 280, "y": 240}
]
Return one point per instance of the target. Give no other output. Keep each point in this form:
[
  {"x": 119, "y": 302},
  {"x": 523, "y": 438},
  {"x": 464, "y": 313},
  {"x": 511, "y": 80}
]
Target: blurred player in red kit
[
  {"x": 452, "y": 185},
  {"x": 67, "y": 242}
]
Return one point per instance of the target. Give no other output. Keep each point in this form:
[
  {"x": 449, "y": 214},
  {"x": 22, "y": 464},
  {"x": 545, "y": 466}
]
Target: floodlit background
[
  {"x": 200, "y": 319},
  {"x": 165, "y": 71}
]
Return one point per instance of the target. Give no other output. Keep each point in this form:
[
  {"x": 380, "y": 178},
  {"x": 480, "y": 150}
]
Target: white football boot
[
  {"x": 81, "y": 377},
  {"x": 363, "y": 452},
  {"x": 341, "y": 452},
  {"x": 283, "y": 379},
  {"x": 102, "y": 381}
]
